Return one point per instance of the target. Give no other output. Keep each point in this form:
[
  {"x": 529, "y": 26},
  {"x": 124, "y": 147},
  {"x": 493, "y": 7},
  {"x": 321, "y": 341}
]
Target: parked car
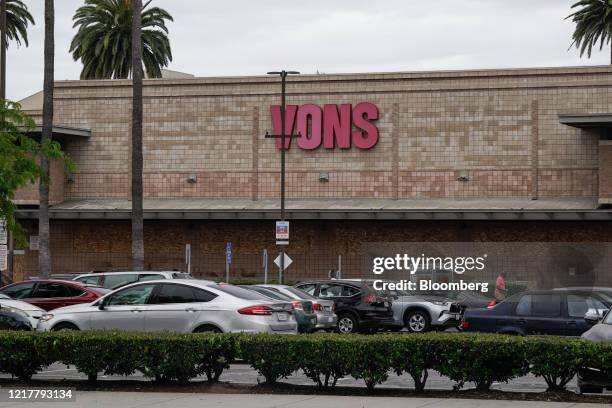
[
  {"x": 590, "y": 379},
  {"x": 325, "y": 309},
  {"x": 304, "y": 314},
  {"x": 557, "y": 312},
  {"x": 359, "y": 307},
  {"x": 115, "y": 280},
  {"x": 51, "y": 294},
  {"x": 33, "y": 312},
  {"x": 422, "y": 312},
  {"x": 469, "y": 298},
  {"x": 14, "y": 319},
  {"x": 177, "y": 305}
]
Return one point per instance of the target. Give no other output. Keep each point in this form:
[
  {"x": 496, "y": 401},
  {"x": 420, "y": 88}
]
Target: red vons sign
[{"x": 331, "y": 126}]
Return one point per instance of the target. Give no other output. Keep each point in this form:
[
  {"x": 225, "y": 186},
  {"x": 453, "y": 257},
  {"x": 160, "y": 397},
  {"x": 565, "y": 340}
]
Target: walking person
[{"x": 500, "y": 287}]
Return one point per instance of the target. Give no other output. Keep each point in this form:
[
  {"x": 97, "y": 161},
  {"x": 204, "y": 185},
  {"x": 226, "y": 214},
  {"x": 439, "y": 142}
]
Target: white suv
[{"x": 114, "y": 280}]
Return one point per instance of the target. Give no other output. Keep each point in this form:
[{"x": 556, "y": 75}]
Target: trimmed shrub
[
  {"x": 415, "y": 355},
  {"x": 23, "y": 354},
  {"x": 481, "y": 359},
  {"x": 273, "y": 356},
  {"x": 325, "y": 358},
  {"x": 555, "y": 359},
  {"x": 370, "y": 358}
]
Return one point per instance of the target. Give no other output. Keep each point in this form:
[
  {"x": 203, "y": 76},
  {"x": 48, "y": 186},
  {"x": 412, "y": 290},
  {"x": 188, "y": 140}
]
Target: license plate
[
  {"x": 330, "y": 319},
  {"x": 282, "y": 317},
  {"x": 327, "y": 308},
  {"x": 456, "y": 316}
]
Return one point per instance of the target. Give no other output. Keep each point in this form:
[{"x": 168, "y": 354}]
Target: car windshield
[
  {"x": 300, "y": 293},
  {"x": 99, "y": 290},
  {"x": 268, "y": 292},
  {"x": 181, "y": 275},
  {"x": 240, "y": 292}
]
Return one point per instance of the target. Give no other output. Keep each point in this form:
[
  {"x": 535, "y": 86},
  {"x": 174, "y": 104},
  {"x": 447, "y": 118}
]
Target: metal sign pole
[{"x": 265, "y": 265}]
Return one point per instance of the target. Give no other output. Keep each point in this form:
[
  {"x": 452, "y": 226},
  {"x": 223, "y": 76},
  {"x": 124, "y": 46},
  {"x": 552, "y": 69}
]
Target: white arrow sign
[{"x": 288, "y": 261}]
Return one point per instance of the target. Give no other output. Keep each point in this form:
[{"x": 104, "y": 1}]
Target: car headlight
[
  {"x": 46, "y": 317},
  {"x": 440, "y": 303}
]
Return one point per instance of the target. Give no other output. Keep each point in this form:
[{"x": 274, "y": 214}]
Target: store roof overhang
[
  {"x": 366, "y": 209},
  {"x": 61, "y": 133},
  {"x": 587, "y": 121}
]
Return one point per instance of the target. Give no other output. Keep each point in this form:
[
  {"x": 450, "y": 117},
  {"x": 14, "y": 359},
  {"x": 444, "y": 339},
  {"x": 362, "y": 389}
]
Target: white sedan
[
  {"x": 33, "y": 312},
  {"x": 182, "y": 306}
]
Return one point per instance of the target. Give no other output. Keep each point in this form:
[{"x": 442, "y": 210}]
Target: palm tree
[
  {"x": 17, "y": 20},
  {"x": 137, "y": 162},
  {"x": 103, "y": 41},
  {"x": 593, "y": 25},
  {"x": 44, "y": 254}
]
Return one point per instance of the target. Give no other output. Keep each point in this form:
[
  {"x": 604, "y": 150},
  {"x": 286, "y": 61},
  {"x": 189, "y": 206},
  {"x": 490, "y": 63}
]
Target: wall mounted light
[
  {"x": 192, "y": 179},
  {"x": 463, "y": 176},
  {"x": 323, "y": 177}
]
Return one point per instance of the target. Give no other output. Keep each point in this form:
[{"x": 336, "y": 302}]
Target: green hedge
[{"x": 324, "y": 358}]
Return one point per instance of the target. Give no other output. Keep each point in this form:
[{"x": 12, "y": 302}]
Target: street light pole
[
  {"x": 283, "y": 135},
  {"x": 3, "y": 49}
]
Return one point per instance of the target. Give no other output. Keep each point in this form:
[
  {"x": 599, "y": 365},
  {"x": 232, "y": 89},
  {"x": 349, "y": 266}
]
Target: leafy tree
[
  {"x": 18, "y": 159},
  {"x": 593, "y": 25},
  {"x": 17, "y": 20},
  {"x": 103, "y": 41}
]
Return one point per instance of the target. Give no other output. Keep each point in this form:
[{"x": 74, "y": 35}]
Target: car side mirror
[
  {"x": 102, "y": 304},
  {"x": 592, "y": 318}
]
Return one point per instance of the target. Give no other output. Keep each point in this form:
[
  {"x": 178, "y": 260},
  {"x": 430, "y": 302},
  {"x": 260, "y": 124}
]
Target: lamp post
[
  {"x": 283, "y": 75},
  {"x": 3, "y": 49}
]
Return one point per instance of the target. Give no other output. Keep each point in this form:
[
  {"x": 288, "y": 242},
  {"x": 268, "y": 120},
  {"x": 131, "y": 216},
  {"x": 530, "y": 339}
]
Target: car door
[
  {"x": 578, "y": 305},
  {"x": 123, "y": 309},
  {"x": 539, "y": 313},
  {"x": 174, "y": 307},
  {"x": 343, "y": 296}
]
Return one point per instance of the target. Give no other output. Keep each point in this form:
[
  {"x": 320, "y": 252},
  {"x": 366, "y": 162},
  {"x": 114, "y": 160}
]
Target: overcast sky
[{"x": 243, "y": 37}]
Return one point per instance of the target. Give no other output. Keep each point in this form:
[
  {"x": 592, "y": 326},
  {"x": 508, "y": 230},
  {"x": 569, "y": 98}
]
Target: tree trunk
[
  {"x": 44, "y": 254},
  {"x": 137, "y": 162}
]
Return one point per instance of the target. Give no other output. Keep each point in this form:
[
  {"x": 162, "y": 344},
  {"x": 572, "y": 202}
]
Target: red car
[{"x": 51, "y": 294}]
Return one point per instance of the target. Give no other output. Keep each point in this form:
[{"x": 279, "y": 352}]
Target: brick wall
[
  {"x": 85, "y": 245},
  {"x": 500, "y": 127},
  {"x": 29, "y": 193},
  {"x": 605, "y": 172}
]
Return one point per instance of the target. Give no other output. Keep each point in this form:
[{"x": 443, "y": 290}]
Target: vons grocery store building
[{"x": 482, "y": 155}]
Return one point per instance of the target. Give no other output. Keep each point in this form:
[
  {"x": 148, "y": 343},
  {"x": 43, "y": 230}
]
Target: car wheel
[
  {"x": 207, "y": 329},
  {"x": 347, "y": 324},
  {"x": 65, "y": 327},
  {"x": 417, "y": 322}
]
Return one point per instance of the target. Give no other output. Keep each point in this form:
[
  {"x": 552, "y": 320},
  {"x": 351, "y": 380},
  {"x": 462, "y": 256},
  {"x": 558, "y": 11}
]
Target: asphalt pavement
[{"x": 93, "y": 399}]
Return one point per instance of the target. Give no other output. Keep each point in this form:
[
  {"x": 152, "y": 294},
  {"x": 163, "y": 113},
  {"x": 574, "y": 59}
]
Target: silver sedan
[
  {"x": 179, "y": 306},
  {"x": 325, "y": 309}
]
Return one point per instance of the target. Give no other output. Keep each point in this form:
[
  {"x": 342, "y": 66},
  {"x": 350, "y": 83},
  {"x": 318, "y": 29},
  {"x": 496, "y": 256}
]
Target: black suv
[
  {"x": 558, "y": 312},
  {"x": 359, "y": 307}
]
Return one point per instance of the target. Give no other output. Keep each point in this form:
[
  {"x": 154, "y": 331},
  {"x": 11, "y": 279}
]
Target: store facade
[{"x": 484, "y": 155}]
